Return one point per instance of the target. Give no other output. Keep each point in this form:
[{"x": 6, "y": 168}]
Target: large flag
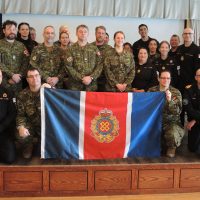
[{"x": 92, "y": 125}]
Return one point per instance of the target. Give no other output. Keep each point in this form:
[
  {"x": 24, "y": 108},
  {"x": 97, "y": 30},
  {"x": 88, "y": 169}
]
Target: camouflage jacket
[
  {"x": 119, "y": 68},
  {"x": 14, "y": 58},
  {"x": 104, "y": 49},
  {"x": 28, "y": 109},
  {"x": 83, "y": 61},
  {"x": 49, "y": 62},
  {"x": 172, "y": 109}
]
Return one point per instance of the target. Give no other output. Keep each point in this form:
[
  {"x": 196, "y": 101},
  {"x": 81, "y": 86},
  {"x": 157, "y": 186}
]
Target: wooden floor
[
  {"x": 182, "y": 156},
  {"x": 182, "y": 196},
  {"x": 122, "y": 177}
]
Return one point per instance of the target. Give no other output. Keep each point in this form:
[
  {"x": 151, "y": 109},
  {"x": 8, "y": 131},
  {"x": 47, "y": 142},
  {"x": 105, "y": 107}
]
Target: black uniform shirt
[
  {"x": 168, "y": 64},
  {"x": 145, "y": 76},
  {"x": 172, "y": 53},
  {"x": 7, "y": 110},
  {"x": 191, "y": 102},
  {"x": 189, "y": 60},
  {"x": 138, "y": 44}
]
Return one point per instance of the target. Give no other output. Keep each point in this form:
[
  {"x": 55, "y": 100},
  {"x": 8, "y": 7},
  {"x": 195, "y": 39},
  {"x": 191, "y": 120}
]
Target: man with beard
[
  {"x": 104, "y": 48},
  {"x": 48, "y": 58},
  {"x": 14, "y": 57}
]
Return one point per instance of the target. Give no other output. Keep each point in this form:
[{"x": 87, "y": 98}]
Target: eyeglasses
[
  {"x": 165, "y": 78},
  {"x": 188, "y": 33},
  {"x": 32, "y": 76},
  {"x": 197, "y": 75}
]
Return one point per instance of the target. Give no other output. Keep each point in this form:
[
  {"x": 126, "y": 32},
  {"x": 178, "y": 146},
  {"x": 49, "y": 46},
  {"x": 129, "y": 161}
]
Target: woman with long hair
[{"x": 23, "y": 35}]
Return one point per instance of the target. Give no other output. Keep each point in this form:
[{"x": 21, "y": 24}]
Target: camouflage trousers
[
  {"x": 173, "y": 135},
  {"x": 34, "y": 137}
]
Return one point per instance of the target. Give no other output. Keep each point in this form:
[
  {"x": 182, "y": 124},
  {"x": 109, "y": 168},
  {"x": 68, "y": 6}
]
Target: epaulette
[{"x": 188, "y": 86}]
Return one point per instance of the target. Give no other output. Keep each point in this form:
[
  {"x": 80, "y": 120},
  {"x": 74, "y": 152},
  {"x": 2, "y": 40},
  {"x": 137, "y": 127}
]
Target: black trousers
[
  {"x": 7, "y": 149},
  {"x": 194, "y": 139}
]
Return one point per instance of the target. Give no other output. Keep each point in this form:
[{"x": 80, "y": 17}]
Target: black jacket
[{"x": 7, "y": 111}]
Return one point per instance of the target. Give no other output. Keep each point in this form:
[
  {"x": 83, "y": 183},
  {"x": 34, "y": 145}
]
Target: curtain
[
  {"x": 152, "y": 10},
  {"x": 176, "y": 9},
  {"x": 17, "y": 6},
  {"x": 194, "y": 9},
  {"x": 71, "y": 7},
  {"x": 44, "y": 7},
  {"x": 170, "y": 9},
  {"x": 195, "y": 25},
  {"x": 127, "y": 8},
  {"x": 99, "y": 8}
]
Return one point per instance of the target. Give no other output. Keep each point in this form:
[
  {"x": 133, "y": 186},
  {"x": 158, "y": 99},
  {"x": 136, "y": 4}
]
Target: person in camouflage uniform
[
  {"x": 14, "y": 57},
  {"x": 83, "y": 63},
  {"x": 28, "y": 119},
  {"x": 119, "y": 67},
  {"x": 48, "y": 58},
  {"x": 172, "y": 128},
  {"x": 100, "y": 33}
]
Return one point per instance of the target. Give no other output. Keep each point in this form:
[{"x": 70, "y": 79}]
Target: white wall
[{"x": 160, "y": 29}]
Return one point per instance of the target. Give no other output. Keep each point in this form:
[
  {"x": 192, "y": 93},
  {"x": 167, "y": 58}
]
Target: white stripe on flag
[
  {"x": 82, "y": 125},
  {"x": 128, "y": 124},
  {"x": 43, "y": 128}
]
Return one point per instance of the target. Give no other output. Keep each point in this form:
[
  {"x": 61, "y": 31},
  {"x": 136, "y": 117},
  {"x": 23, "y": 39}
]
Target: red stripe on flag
[{"x": 105, "y": 125}]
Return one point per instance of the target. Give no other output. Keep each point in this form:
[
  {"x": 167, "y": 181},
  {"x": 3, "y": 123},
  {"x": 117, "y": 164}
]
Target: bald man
[
  {"x": 188, "y": 59},
  {"x": 48, "y": 58}
]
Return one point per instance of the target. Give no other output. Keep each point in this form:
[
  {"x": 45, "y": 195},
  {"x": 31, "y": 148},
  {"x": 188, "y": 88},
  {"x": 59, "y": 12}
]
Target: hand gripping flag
[{"x": 92, "y": 125}]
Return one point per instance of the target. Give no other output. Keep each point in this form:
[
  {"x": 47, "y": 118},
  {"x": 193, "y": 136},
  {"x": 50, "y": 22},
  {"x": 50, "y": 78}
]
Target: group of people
[{"x": 145, "y": 66}]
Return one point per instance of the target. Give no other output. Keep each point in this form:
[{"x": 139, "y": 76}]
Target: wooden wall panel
[
  {"x": 190, "y": 178},
  {"x": 1, "y": 181},
  {"x": 113, "y": 180},
  {"x": 22, "y": 181},
  {"x": 66, "y": 181},
  {"x": 156, "y": 179}
]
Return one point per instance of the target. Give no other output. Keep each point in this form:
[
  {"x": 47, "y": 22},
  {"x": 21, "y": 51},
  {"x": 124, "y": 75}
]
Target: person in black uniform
[
  {"x": 165, "y": 62},
  {"x": 174, "y": 42},
  {"x": 143, "y": 42},
  {"x": 188, "y": 58},
  {"x": 191, "y": 103},
  {"x": 145, "y": 73},
  {"x": 7, "y": 125}
]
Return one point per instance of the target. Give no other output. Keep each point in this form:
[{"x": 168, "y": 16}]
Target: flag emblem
[{"x": 105, "y": 126}]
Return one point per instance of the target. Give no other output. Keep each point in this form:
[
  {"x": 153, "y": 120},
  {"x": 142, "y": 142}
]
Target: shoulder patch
[
  {"x": 188, "y": 86},
  {"x": 34, "y": 58},
  {"x": 185, "y": 102},
  {"x": 26, "y": 52},
  {"x": 5, "y": 95},
  {"x": 70, "y": 59},
  {"x": 98, "y": 53}
]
